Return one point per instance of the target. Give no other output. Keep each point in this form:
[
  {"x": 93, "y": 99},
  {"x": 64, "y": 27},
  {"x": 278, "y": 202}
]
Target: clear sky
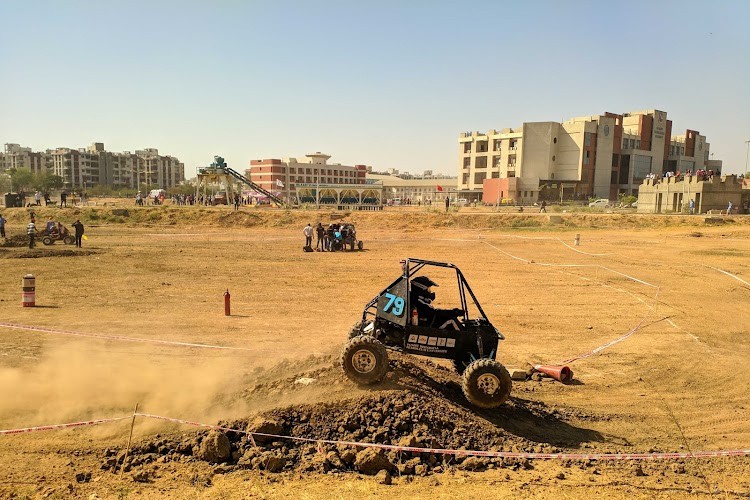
[{"x": 387, "y": 83}]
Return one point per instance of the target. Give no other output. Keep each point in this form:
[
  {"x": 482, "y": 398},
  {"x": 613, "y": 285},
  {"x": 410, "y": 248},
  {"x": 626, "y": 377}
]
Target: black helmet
[{"x": 423, "y": 282}]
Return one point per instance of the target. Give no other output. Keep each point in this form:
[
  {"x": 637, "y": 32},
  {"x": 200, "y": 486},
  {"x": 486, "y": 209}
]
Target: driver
[{"x": 422, "y": 297}]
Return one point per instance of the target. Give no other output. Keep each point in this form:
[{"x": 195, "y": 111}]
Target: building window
[
  {"x": 637, "y": 144},
  {"x": 467, "y": 147},
  {"x": 467, "y": 162},
  {"x": 496, "y": 145},
  {"x": 632, "y": 143},
  {"x": 553, "y": 157},
  {"x": 554, "y": 141},
  {"x": 587, "y": 139},
  {"x": 625, "y": 143}
]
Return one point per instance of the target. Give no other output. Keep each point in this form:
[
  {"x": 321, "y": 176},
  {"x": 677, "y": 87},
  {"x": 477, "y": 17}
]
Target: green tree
[
  {"x": 22, "y": 179},
  {"x": 47, "y": 181}
]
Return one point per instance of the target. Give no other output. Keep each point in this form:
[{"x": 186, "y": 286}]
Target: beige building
[
  {"x": 415, "y": 189},
  {"x": 703, "y": 192},
  {"x": 592, "y": 156},
  {"x": 15, "y": 156},
  {"x": 84, "y": 168}
]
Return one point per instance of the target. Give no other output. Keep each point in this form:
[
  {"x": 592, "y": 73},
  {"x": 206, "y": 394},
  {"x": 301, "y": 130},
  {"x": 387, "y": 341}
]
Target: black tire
[
  {"x": 364, "y": 360},
  {"x": 69, "y": 240},
  {"x": 360, "y": 244},
  {"x": 486, "y": 383},
  {"x": 356, "y": 330},
  {"x": 47, "y": 240}
]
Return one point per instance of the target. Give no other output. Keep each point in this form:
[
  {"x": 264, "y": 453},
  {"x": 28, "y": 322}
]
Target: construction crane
[{"x": 219, "y": 168}]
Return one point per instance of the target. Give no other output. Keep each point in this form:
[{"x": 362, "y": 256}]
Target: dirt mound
[
  {"x": 420, "y": 404},
  {"x": 15, "y": 241},
  {"x": 124, "y": 213}
]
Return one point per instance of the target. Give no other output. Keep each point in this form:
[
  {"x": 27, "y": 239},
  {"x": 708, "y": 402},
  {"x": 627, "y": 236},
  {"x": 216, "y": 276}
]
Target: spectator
[
  {"x": 447, "y": 203},
  {"x": 38, "y": 198},
  {"x": 308, "y": 231},
  {"x": 79, "y": 232},
  {"x": 729, "y": 208},
  {"x": 2, "y": 226},
  {"x": 320, "y": 233},
  {"x": 543, "y": 207},
  {"x": 63, "y": 199},
  {"x": 31, "y": 231}
]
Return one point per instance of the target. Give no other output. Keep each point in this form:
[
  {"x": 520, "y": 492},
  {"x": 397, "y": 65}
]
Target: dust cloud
[{"x": 73, "y": 380}]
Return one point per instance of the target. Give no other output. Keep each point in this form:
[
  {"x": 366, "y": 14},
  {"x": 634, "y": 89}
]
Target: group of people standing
[
  {"x": 51, "y": 229},
  {"x": 331, "y": 238}
]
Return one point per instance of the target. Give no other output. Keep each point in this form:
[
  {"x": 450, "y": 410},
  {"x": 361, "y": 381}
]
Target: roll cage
[{"x": 411, "y": 268}]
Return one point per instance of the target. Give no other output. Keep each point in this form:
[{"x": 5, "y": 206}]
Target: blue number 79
[{"x": 396, "y": 302}]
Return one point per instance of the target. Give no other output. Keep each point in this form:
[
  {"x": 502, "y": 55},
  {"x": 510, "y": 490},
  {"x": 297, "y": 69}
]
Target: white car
[{"x": 601, "y": 202}]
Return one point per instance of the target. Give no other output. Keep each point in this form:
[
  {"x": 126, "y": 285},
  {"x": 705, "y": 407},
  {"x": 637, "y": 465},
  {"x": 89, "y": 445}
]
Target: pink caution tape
[
  {"x": 60, "y": 426},
  {"x": 477, "y": 453}
]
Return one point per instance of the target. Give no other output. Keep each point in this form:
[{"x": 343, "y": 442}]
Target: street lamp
[{"x": 746, "y": 156}]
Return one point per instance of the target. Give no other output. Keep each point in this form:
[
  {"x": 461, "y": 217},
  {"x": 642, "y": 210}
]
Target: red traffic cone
[{"x": 560, "y": 373}]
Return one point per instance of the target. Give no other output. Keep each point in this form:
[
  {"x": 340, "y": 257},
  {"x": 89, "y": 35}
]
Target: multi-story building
[
  {"x": 592, "y": 156},
  {"x": 79, "y": 168},
  {"x": 157, "y": 170},
  {"x": 427, "y": 188},
  {"x": 84, "y": 168},
  {"x": 16, "y": 156},
  {"x": 283, "y": 176}
]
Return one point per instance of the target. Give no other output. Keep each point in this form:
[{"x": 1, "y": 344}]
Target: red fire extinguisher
[
  {"x": 414, "y": 316},
  {"x": 227, "y": 298}
]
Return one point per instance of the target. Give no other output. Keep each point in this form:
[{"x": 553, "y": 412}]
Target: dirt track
[{"x": 159, "y": 273}]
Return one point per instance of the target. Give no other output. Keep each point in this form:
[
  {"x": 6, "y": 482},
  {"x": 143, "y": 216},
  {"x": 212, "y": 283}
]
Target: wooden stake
[{"x": 130, "y": 439}]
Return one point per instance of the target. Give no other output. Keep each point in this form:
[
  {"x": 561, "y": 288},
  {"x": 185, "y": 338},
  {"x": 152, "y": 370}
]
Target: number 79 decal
[{"x": 396, "y": 304}]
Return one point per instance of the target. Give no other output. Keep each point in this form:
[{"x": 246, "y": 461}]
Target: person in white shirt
[{"x": 308, "y": 231}]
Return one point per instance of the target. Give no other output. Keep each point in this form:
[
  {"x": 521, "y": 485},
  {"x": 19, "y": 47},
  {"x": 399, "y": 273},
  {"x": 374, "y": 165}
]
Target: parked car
[
  {"x": 601, "y": 202},
  {"x": 220, "y": 198}
]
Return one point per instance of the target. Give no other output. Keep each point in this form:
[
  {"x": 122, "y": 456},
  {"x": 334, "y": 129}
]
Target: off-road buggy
[
  {"x": 390, "y": 321},
  {"x": 348, "y": 237},
  {"x": 56, "y": 231}
]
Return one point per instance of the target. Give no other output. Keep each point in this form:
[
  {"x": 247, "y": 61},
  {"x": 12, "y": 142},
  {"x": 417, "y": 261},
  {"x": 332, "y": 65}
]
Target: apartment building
[
  {"x": 15, "y": 156},
  {"x": 592, "y": 156},
  {"x": 83, "y": 168},
  {"x": 157, "y": 170}
]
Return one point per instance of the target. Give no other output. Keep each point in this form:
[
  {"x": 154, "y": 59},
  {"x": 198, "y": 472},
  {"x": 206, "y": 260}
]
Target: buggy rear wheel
[
  {"x": 364, "y": 360},
  {"x": 47, "y": 240},
  {"x": 486, "y": 383}
]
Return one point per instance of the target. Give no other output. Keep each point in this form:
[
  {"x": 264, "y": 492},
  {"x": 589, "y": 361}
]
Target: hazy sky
[{"x": 387, "y": 83}]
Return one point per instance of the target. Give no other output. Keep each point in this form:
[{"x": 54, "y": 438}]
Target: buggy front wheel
[
  {"x": 364, "y": 360},
  {"x": 47, "y": 240},
  {"x": 486, "y": 383},
  {"x": 69, "y": 240}
]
